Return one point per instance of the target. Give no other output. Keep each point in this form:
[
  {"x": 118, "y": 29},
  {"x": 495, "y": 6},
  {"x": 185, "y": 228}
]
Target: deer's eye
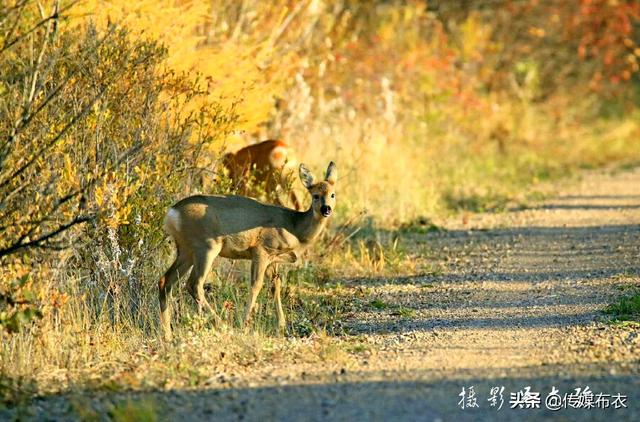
[
  {"x": 316, "y": 197},
  {"x": 333, "y": 195}
]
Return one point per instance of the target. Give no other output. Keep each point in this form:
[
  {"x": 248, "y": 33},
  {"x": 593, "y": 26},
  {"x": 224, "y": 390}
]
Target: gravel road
[{"x": 518, "y": 304}]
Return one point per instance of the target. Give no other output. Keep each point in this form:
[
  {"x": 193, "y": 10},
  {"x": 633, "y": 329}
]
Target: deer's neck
[{"x": 307, "y": 227}]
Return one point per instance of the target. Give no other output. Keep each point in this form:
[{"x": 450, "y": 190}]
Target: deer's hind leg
[
  {"x": 273, "y": 275},
  {"x": 259, "y": 264},
  {"x": 277, "y": 289},
  {"x": 179, "y": 268},
  {"x": 203, "y": 257}
]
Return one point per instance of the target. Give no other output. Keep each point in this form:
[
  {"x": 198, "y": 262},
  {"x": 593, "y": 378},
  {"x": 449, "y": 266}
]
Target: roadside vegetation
[
  {"x": 625, "y": 310},
  {"x": 110, "y": 114}
]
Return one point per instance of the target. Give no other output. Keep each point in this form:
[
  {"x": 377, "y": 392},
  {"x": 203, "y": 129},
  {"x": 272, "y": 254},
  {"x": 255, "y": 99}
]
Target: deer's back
[{"x": 237, "y": 222}]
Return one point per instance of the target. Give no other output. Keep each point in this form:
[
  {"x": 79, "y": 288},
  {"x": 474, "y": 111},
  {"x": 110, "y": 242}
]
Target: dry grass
[
  {"x": 105, "y": 339},
  {"x": 101, "y": 339}
]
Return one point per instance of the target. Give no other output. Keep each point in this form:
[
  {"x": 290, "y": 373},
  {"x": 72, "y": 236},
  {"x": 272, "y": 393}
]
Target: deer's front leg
[{"x": 259, "y": 263}]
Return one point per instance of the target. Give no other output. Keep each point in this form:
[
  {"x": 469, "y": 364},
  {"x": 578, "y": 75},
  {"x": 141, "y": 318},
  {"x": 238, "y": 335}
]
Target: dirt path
[{"x": 518, "y": 304}]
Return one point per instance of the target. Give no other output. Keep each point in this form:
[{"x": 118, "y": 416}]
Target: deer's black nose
[{"x": 325, "y": 210}]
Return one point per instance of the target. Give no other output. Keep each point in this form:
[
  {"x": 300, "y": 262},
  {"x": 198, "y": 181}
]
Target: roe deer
[
  {"x": 237, "y": 227},
  {"x": 271, "y": 163}
]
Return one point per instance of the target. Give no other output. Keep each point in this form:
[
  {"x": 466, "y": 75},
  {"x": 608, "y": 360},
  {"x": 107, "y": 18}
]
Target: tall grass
[{"x": 103, "y": 332}]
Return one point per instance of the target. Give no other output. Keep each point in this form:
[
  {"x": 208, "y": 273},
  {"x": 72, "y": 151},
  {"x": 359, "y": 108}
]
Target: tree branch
[
  {"x": 8, "y": 44},
  {"x": 39, "y": 242},
  {"x": 52, "y": 142}
]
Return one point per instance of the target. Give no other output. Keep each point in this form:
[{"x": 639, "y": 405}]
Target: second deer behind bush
[{"x": 267, "y": 165}]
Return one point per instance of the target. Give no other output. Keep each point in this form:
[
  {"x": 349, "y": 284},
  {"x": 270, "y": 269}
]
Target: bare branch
[
  {"x": 8, "y": 44},
  {"x": 40, "y": 242},
  {"x": 19, "y": 7},
  {"x": 53, "y": 141},
  {"x": 24, "y": 121}
]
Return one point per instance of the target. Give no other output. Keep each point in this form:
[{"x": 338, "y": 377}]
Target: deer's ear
[
  {"x": 332, "y": 173},
  {"x": 306, "y": 176}
]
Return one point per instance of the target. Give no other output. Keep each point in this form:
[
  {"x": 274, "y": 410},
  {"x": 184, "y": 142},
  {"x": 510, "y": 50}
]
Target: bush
[{"x": 99, "y": 137}]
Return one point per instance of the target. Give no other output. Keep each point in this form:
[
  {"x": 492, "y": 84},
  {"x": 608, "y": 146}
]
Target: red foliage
[{"x": 604, "y": 30}]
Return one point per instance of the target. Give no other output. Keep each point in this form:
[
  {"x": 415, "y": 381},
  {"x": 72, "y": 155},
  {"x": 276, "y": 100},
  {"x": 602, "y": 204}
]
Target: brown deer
[
  {"x": 236, "y": 227},
  {"x": 271, "y": 163}
]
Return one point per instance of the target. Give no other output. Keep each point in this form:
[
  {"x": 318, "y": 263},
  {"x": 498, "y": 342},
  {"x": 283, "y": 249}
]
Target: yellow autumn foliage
[{"x": 246, "y": 73}]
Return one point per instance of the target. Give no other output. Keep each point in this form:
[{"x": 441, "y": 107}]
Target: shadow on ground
[
  {"x": 598, "y": 197},
  {"x": 561, "y": 276},
  {"x": 387, "y": 399},
  {"x": 500, "y": 323},
  {"x": 584, "y": 207}
]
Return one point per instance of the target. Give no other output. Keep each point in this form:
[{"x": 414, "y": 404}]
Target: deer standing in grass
[
  {"x": 236, "y": 227},
  {"x": 270, "y": 162}
]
